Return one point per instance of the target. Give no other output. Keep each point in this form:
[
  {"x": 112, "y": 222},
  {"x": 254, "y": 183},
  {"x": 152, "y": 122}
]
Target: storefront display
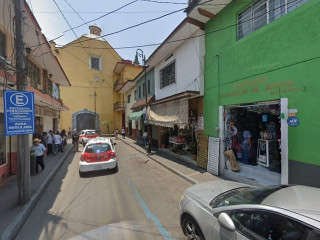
[{"x": 253, "y": 133}]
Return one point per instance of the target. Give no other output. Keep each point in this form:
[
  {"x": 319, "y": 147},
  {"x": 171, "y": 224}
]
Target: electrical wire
[
  {"x": 78, "y": 40},
  {"x": 72, "y": 28}
]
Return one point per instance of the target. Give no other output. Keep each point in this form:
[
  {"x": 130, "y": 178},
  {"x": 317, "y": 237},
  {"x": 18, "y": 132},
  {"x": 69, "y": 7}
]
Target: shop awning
[
  {"x": 135, "y": 115},
  {"x": 168, "y": 114}
]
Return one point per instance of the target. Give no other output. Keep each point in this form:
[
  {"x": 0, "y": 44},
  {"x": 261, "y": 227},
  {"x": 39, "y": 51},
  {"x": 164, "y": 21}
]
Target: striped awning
[{"x": 135, "y": 115}]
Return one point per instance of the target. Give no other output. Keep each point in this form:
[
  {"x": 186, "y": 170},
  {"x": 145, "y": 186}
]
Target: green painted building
[{"x": 262, "y": 69}]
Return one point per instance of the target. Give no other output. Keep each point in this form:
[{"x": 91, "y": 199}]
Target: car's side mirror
[
  {"x": 226, "y": 222},
  {"x": 114, "y": 144}
]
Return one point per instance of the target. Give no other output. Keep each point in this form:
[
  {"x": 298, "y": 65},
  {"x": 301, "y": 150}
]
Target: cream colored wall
[{"x": 75, "y": 62}]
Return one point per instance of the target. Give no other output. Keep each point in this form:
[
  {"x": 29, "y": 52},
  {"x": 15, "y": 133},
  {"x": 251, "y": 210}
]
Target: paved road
[{"x": 140, "y": 201}]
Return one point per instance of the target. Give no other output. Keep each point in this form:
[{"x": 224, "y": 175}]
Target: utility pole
[{"x": 22, "y": 85}]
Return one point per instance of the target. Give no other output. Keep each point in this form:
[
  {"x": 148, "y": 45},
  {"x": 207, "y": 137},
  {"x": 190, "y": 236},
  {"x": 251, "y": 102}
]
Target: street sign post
[{"x": 19, "y": 112}]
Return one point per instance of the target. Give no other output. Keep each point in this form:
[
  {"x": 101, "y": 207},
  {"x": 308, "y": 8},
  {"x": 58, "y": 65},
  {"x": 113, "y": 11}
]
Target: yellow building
[
  {"x": 124, "y": 71},
  {"x": 89, "y": 63}
]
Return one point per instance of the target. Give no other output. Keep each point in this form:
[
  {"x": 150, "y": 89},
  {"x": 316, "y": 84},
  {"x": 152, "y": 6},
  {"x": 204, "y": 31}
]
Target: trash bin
[{"x": 32, "y": 162}]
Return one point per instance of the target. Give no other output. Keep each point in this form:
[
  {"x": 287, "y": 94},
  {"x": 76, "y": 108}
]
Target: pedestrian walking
[
  {"x": 116, "y": 134},
  {"x": 44, "y": 139},
  {"x": 140, "y": 137},
  {"x": 123, "y": 133},
  {"x": 40, "y": 153},
  {"x": 57, "y": 143},
  {"x": 64, "y": 139},
  {"x": 145, "y": 139},
  {"x": 50, "y": 142},
  {"x": 75, "y": 141},
  {"x": 69, "y": 133}
]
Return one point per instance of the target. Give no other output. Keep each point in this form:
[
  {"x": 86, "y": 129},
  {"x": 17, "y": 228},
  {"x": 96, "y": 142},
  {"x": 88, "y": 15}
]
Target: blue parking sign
[{"x": 19, "y": 112}]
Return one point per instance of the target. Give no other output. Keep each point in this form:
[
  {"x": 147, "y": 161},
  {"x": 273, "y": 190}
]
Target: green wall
[
  {"x": 281, "y": 59},
  {"x": 141, "y": 81}
]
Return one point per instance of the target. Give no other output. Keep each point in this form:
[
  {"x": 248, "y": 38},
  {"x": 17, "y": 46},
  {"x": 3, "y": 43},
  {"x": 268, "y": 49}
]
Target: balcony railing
[{"x": 118, "y": 106}]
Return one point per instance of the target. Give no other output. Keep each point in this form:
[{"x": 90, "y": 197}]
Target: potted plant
[{"x": 194, "y": 150}]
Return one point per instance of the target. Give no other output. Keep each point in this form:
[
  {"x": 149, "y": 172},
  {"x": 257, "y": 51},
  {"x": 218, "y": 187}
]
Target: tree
[{"x": 107, "y": 123}]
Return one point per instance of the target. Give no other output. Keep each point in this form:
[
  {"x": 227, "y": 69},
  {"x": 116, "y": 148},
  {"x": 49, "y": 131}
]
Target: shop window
[
  {"x": 2, "y": 45},
  {"x": 263, "y": 12},
  {"x": 95, "y": 63},
  {"x": 167, "y": 75},
  {"x": 3, "y": 157},
  {"x": 33, "y": 74},
  {"x": 129, "y": 97}
]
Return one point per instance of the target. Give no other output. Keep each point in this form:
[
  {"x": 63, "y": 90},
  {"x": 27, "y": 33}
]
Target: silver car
[{"x": 229, "y": 210}]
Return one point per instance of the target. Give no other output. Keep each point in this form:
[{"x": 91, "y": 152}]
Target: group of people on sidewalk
[{"x": 46, "y": 144}]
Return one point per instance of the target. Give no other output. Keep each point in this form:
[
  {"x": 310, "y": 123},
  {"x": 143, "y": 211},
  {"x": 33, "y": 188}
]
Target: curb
[
  {"x": 178, "y": 173},
  {"x": 16, "y": 225}
]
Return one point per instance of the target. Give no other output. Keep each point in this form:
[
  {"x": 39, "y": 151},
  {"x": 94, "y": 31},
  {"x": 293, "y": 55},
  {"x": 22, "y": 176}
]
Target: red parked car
[{"x": 86, "y": 135}]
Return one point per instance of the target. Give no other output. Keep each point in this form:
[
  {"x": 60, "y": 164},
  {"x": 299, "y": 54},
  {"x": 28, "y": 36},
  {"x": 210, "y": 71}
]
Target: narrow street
[{"x": 140, "y": 201}]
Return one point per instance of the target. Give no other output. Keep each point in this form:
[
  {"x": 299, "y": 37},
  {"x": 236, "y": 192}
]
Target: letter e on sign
[{"x": 19, "y": 99}]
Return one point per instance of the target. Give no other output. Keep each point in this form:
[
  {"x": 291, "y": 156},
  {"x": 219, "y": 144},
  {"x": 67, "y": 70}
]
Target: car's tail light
[
  {"x": 82, "y": 158},
  {"x": 113, "y": 155}
]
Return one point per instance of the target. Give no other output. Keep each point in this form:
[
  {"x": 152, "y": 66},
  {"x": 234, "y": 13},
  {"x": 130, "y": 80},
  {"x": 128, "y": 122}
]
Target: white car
[
  {"x": 98, "y": 154},
  {"x": 87, "y": 135}
]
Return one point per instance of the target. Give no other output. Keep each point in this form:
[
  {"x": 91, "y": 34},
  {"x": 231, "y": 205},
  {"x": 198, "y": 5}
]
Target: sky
[{"x": 54, "y": 25}]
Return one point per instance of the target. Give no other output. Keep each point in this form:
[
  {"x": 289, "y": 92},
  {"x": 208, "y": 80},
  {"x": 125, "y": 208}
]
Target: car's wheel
[
  {"x": 81, "y": 174},
  {"x": 83, "y": 143},
  {"x": 116, "y": 169},
  {"x": 191, "y": 229}
]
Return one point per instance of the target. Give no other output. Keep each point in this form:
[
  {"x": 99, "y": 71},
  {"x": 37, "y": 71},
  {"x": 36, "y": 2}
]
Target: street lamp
[{"x": 139, "y": 53}]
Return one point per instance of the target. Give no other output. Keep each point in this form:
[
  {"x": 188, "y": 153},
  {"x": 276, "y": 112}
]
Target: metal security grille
[
  {"x": 95, "y": 63},
  {"x": 33, "y": 74},
  {"x": 167, "y": 75},
  {"x": 263, "y": 12}
]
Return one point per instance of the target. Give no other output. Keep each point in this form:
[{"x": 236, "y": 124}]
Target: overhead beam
[
  {"x": 195, "y": 22},
  {"x": 206, "y": 13}
]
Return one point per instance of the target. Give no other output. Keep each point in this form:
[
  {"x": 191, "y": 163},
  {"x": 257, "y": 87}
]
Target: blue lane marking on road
[{"x": 148, "y": 214}]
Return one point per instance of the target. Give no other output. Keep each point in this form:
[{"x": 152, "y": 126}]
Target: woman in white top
[{"x": 57, "y": 140}]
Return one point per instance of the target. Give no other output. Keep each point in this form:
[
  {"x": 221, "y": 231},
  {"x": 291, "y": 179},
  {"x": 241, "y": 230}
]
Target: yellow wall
[{"x": 75, "y": 62}]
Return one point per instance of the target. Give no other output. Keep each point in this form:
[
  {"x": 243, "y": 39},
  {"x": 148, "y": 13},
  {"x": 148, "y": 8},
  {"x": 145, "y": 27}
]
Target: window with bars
[
  {"x": 139, "y": 91},
  {"x": 95, "y": 63},
  {"x": 135, "y": 95},
  {"x": 263, "y": 12},
  {"x": 33, "y": 74},
  {"x": 167, "y": 75},
  {"x": 129, "y": 98},
  {"x": 149, "y": 87},
  {"x": 2, "y": 45}
]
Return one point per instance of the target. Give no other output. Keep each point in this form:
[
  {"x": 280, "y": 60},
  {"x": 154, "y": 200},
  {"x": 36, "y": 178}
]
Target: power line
[
  {"x": 100, "y": 16},
  {"x": 95, "y": 12},
  {"x": 134, "y": 26},
  {"x": 78, "y": 39}
]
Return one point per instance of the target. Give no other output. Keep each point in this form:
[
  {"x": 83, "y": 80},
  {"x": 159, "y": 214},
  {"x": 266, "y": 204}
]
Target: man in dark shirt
[{"x": 75, "y": 142}]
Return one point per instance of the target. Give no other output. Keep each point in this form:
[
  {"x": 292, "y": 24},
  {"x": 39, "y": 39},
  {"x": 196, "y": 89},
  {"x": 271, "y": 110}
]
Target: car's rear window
[
  {"x": 90, "y": 132},
  {"x": 98, "y": 148}
]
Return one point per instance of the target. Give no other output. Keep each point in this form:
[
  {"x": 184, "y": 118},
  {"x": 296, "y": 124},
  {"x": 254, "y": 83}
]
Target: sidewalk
[
  {"x": 184, "y": 169},
  {"x": 13, "y": 215}
]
